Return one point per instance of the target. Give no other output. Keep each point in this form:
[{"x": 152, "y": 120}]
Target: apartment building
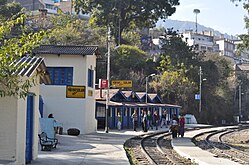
[
  {"x": 36, "y": 5},
  {"x": 226, "y": 47},
  {"x": 203, "y": 41}
]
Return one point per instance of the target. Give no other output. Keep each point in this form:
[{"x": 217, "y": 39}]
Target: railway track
[
  {"x": 155, "y": 149},
  {"x": 212, "y": 141}
]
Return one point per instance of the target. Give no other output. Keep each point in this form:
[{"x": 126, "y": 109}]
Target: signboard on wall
[
  {"x": 122, "y": 83},
  {"x": 76, "y": 92},
  {"x": 90, "y": 93},
  {"x": 103, "y": 83}
]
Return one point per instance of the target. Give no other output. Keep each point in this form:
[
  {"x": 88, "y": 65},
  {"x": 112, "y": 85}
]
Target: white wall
[
  {"x": 13, "y": 127},
  {"x": 71, "y": 112},
  {"x": 8, "y": 123},
  {"x": 201, "y": 40},
  {"x": 21, "y": 126}
]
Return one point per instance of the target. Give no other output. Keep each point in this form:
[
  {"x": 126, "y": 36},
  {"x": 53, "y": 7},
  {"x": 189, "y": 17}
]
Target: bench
[{"x": 47, "y": 143}]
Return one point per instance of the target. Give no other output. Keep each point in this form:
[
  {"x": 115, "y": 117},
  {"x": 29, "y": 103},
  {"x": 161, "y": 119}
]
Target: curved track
[
  {"x": 212, "y": 141},
  {"x": 156, "y": 149}
]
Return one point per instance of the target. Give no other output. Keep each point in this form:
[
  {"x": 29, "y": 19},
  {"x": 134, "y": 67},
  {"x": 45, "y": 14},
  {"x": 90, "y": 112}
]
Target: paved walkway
[
  {"x": 91, "y": 149},
  {"x": 186, "y": 148}
]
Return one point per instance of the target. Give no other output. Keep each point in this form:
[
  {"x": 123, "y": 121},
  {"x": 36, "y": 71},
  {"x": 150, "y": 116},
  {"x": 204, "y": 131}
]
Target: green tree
[
  {"x": 14, "y": 43},
  {"x": 7, "y": 10},
  {"x": 129, "y": 62},
  {"x": 244, "y": 37},
  {"x": 217, "y": 90},
  {"x": 67, "y": 30},
  {"x": 11, "y": 49},
  {"x": 177, "y": 70},
  {"x": 178, "y": 80},
  {"x": 125, "y": 15}
]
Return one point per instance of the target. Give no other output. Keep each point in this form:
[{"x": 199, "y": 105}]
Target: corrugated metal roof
[
  {"x": 66, "y": 50},
  {"x": 139, "y": 95},
  {"x": 26, "y": 66},
  {"x": 129, "y": 104}
]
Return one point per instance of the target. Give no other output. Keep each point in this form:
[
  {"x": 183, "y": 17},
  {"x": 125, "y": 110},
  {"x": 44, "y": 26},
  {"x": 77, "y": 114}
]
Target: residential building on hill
[
  {"x": 35, "y": 5},
  {"x": 226, "y": 47},
  {"x": 67, "y": 7},
  {"x": 201, "y": 41}
]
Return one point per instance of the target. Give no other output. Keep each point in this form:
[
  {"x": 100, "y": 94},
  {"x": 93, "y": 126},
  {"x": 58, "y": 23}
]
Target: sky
[{"x": 221, "y": 15}]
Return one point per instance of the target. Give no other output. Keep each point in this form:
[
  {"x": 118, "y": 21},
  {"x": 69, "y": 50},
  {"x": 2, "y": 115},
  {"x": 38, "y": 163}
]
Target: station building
[
  {"x": 71, "y": 96},
  {"x": 126, "y": 102}
]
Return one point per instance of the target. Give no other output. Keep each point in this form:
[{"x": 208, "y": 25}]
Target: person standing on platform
[
  {"x": 156, "y": 119},
  {"x": 163, "y": 119},
  {"x": 134, "y": 119},
  {"x": 174, "y": 126},
  {"x": 181, "y": 126},
  {"x": 145, "y": 121},
  {"x": 119, "y": 121},
  {"x": 141, "y": 118},
  {"x": 149, "y": 117}
]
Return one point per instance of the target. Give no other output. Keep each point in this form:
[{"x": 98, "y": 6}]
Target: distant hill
[{"x": 187, "y": 25}]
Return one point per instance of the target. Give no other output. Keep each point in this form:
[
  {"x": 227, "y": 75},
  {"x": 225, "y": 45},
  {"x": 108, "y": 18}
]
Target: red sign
[{"x": 103, "y": 83}]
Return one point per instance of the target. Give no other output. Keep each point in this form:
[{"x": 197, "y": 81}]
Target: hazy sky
[{"x": 221, "y": 15}]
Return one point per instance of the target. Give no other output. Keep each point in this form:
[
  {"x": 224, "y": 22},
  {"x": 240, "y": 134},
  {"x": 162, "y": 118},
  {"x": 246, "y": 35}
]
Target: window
[
  {"x": 100, "y": 111},
  {"x": 203, "y": 48},
  {"x": 48, "y": 6},
  {"x": 90, "y": 77},
  {"x": 61, "y": 75}
]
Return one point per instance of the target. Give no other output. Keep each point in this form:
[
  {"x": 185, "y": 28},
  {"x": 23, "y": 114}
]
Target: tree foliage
[
  {"x": 65, "y": 30},
  {"x": 218, "y": 89},
  {"x": 177, "y": 65},
  {"x": 244, "y": 37},
  {"x": 178, "y": 80},
  {"x": 8, "y": 10},
  {"x": 125, "y": 15},
  {"x": 12, "y": 48},
  {"x": 129, "y": 62}
]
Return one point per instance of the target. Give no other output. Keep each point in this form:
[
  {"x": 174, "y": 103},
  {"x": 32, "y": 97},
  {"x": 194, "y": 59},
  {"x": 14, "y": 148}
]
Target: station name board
[
  {"x": 122, "y": 83},
  {"x": 76, "y": 92}
]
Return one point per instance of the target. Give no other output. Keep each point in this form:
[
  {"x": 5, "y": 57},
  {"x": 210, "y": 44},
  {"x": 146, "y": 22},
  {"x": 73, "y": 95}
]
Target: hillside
[{"x": 187, "y": 25}]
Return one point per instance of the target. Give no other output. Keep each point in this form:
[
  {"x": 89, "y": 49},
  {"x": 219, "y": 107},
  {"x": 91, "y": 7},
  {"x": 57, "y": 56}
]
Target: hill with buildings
[{"x": 181, "y": 26}]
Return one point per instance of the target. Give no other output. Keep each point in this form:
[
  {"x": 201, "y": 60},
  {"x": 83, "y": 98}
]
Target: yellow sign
[
  {"x": 90, "y": 93},
  {"x": 76, "y": 92},
  {"x": 121, "y": 83}
]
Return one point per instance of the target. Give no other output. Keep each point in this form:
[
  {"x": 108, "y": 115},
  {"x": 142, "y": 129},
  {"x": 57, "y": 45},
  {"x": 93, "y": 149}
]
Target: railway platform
[
  {"x": 107, "y": 149},
  {"x": 185, "y": 147},
  {"x": 90, "y": 149}
]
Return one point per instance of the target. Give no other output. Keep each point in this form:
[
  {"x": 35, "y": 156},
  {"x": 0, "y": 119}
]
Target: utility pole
[
  {"x": 108, "y": 79},
  {"x": 71, "y": 7},
  {"x": 240, "y": 102},
  {"x": 146, "y": 86},
  {"x": 200, "y": 89},
  {"x": 146, "y": 89}
]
